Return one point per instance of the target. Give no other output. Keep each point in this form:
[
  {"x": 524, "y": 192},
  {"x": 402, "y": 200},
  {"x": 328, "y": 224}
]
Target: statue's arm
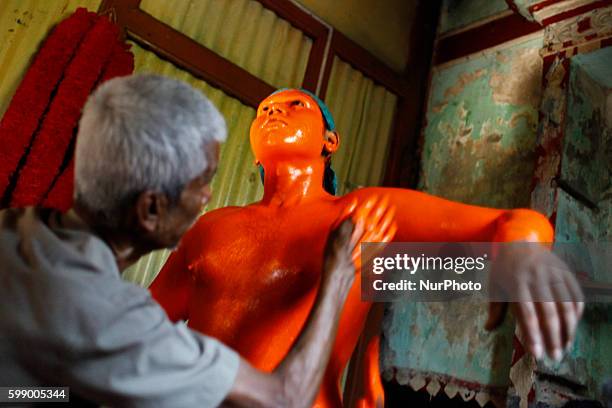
[
  {"x": 422, "y": 217},
  {"x": 536, "y": 273}
]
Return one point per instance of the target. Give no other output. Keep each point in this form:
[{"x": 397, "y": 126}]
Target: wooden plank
[
  {"x": 192, "y": 56},
  {"x": 484, "y": 36}
]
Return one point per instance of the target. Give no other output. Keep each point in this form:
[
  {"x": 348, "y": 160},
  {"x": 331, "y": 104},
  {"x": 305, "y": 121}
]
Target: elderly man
[{"x": 147, "y": 149}]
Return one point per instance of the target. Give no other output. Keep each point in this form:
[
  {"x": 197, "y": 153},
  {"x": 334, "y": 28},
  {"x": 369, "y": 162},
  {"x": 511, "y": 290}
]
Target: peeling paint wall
[
  {"x": 587, "y": 149},
  {"x": 479, "y": 148},
  {"x": 481, "y": 127},
  {"x": 584, "y": 211},
  {"x": 446, "y": 342}
]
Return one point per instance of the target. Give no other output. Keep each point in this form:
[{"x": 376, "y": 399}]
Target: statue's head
[{"x": 293, "y": 124}]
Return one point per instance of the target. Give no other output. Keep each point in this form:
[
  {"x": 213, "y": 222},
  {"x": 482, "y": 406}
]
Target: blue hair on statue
[{"x": 330, "y": 181}]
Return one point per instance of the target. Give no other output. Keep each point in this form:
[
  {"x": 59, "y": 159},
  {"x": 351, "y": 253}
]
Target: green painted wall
[
  {"x": 481, "y": 127},
  {"x": 586, "y": 217},
  {"x": 479, "y": 143}
]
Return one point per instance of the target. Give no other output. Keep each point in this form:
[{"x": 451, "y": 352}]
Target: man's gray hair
[{"x": 138, "y": 133}]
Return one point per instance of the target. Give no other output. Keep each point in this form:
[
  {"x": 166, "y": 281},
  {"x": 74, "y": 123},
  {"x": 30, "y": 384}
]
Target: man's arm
[{"x": 295, "y": 382}]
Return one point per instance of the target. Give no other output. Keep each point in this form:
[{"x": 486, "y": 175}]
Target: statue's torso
[{"x": 256, "y": 273}]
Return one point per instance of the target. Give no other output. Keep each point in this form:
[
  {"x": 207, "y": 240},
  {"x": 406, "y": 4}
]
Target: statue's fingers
[
  {"x": 528, "y": 322},
  {"x": 550, "y": 326},
  {"x": 575, "y": 292},
  {"x": 497, "y": 314},
  {"x": 546, "y": 309},
  {"x": 567, "y": 313}
]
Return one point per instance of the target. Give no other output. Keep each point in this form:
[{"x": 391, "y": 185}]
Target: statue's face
[{"x": 288, "y": 125}]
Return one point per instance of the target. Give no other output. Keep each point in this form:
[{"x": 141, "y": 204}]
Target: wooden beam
[
  {"x": 188, "y": 54},
  {"x": 484, "y": 36},
  {"x": 117, "y": 10},
  {"x": 363, "y": 61},
  {"x": 312, "y": 28},
  {"x": 403, "y": 163}
]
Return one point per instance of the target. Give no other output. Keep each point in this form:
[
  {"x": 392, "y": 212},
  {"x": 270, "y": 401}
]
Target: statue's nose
[{"x": 275, "y": 109}]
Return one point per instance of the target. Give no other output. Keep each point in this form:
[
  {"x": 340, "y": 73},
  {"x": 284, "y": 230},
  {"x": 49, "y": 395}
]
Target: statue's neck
[{"x": 287, "y": 183}]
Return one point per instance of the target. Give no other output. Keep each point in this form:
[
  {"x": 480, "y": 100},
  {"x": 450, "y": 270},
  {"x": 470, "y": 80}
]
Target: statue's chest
[{"x": 276, "y": 256}]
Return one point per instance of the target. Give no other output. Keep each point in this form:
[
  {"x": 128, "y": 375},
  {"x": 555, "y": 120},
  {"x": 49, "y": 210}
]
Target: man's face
[
  {"x": 192, "y": 201},
  {"x": 289, "y": 125}
]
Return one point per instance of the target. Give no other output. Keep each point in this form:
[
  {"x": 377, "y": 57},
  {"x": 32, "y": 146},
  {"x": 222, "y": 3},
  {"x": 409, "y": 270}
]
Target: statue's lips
[{"x": 275, "y": 123}]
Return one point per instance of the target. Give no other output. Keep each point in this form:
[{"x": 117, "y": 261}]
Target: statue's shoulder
[
  {"x": 366, "y": 192},
  {"x": 223, "y": 214}
]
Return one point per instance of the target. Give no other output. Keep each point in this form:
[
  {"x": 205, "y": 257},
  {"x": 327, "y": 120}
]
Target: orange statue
[{"x": 249, "y": 275}]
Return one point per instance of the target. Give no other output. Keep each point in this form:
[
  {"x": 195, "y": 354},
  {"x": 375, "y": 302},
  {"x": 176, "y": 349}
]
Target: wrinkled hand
[
  {"x": 370, "y": 221},
  {"x": 549, "y": 299}
]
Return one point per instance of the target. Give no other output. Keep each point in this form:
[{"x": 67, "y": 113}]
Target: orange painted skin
[{"x": 248, "y": 275}]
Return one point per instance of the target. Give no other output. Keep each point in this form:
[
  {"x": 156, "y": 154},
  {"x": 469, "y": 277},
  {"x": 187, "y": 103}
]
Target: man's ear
[
  {"x": 332, "y": 141},
  {"x": 150, "y": 208}
]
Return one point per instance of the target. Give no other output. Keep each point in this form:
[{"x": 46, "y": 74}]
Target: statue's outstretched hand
[{"x": 549, "y": 301}]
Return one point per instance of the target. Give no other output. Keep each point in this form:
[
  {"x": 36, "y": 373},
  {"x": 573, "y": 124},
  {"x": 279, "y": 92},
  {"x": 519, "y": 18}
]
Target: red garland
[
  {"x": 60, "y": 197},
  {"x": 32, "y": 97},
  {"x": 49, "y": 147},
  {"x": 81, "y": 52}
]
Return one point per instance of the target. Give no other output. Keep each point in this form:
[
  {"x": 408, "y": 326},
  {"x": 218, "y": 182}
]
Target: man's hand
[
  {"x": 372, "y": 221},
  {"x": 550, "y": 301},
  {"x": 337, "y": 256}
]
